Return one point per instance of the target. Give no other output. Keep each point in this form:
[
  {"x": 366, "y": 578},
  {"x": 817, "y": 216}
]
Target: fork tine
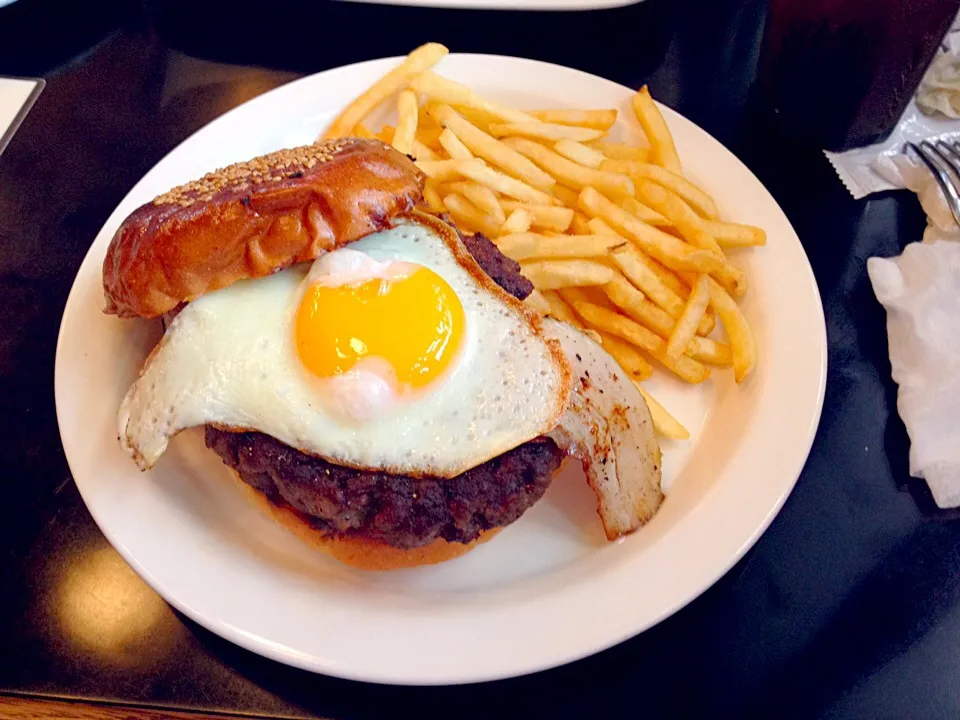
[
  {"x": 953, "y": 154},
  {"x": 931, "y": 158}
]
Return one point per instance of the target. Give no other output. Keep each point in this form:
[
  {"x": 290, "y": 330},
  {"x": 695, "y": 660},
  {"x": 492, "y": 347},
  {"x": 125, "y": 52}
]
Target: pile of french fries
[{"x": 614, "y": 238}]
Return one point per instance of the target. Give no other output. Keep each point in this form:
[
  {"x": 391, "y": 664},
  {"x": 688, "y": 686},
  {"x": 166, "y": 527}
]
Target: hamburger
[{"x": 368, "y": 372}]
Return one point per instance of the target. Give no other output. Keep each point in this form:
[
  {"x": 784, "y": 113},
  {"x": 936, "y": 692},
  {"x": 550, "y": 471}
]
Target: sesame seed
[{"x": 273, "y": 168}]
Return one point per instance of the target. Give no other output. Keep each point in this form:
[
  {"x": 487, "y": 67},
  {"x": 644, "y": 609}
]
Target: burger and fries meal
[{"x": 395, "y": 335}]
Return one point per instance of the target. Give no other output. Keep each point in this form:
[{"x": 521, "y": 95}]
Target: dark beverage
[{"x": 841, "y": 72}]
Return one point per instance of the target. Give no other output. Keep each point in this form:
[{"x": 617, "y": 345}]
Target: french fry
[
  {"x": 710, "y": 351},
  {"x": 450, "y": 92},
  {"x": 691, "y": 227},
  {"x": 523, "y": 246},
  {"x": 742, "y": 344},
  {"x": 647, "y": 214},
  {"x": 537, "y": 130},
  {"x": 686, "y": 328},
  {"x": 478, "y": 171},
  {"x": 631, "y": 262},
  {"x": 440, "y": 170},
  {"x": 734, "y": 235},
  {"x": 548, "y": 217},
  {"x": 633, "y": 332},
  {"x": 421, "y": 59},
  {"x": 560, "y": 310},
  {"x": 565, "y": 195},
  {"x": 634, "y": 304},
  {"x": 570, "y": 173},
  {"x": 538, "y": 302},
  {"x": 553, "y": 274},
  {"x": 663, "y": 422},
  {"x": 386, "y": 134},
  {"x": 451, "y": 143},
  {"x": 656, "y": 130},
  {"x": 463, "y": 209},
  {"x": 481, "y": 196},
  {"x": 597, "y": 119},
  {"x": 422, "y": 152},
  {"x": 362, "y": 131},
  {"x": 518, "y": 221},
  {"x": 698, "y": 199},
  {"x": 579, "y": 153},
  {"x": 627, "y": 355},
  {"x": 430, "y": 136},
  {"x": 671, "y": 251},
  {"x": 489, "y": 148},
  {"x": 667, "y": 276},
  {"x": 432, "y": 197},
  {"x": 619, "y": 151},
  {"x": 407, "y": 122},
  {"x": 580, "y": 225}
]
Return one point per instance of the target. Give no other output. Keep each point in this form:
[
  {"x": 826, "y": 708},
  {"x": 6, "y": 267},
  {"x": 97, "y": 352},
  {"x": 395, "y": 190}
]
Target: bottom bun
[{"x": 358, "y": 552}]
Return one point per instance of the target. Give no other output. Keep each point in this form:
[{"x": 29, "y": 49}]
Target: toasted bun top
[{"x": 252, "y": 219}]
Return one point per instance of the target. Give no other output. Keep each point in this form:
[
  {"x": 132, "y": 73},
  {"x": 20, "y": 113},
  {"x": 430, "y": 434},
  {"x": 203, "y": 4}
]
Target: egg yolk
[{"x": 414, "y": 322}]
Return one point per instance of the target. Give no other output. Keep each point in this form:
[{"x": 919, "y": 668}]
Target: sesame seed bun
[
  {"x": 360, "y": 553},
  {"x": 252, "y": 219}
]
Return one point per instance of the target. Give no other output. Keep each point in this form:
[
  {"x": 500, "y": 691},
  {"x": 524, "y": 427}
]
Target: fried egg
[{"x": 395, "y": 353}]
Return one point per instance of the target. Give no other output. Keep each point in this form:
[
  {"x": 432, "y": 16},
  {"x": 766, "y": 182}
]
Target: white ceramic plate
[{"x": 548, "y": 589}]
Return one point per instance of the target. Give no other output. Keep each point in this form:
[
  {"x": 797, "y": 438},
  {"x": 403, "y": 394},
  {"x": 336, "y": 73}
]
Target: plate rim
[{"x": 290, "y": 656}]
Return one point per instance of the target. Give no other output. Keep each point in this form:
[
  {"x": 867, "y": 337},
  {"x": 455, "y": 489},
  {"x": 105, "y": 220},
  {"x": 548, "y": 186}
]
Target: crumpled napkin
[
  {"x": 904, "y": 171},
  {"x": 920, "y": 290}
]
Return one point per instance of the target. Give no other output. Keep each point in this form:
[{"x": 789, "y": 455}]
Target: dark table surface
[{"x": 848, "y": 606}]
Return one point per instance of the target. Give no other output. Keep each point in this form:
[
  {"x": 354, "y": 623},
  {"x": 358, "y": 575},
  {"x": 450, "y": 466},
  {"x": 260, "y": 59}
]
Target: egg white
[{"x": 229, "y": 359}]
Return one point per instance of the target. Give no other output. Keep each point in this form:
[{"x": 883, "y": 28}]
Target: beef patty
[{"x": 399, "y": 510}]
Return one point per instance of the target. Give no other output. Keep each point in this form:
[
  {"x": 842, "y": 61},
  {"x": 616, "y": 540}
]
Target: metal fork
[{"x": 943, "y": 160}]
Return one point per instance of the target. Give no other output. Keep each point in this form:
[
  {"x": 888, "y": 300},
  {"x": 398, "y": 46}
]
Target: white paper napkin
[
  {"x": 921, "y": 293},
  {"x": 16, "y": 97}
]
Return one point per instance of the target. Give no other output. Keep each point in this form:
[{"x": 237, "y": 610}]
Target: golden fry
[
  {"x": 451, "y": 143},
  {"x": 463, "y": 209},
  {"x": 553, "y": 274},
  {"x": 570, "y": 173},
  {"x": 710, "y": 351},
  {"x": 671, "y": 251},
  {"x": 560, "y": 310},
  {"x": 627, "y": 355},
  {"x": 386, "y": 134},
  {"x": 545, "y": 131},
  {"x": 734, "y": 235},
  {"x": 523, "y": 246},
  {"x": 631, "y": 262},
  {"x": 698, "y": 199},
  {"x": 362, "y": 131},
  {"x": 538, "y": 302},
  {"x": 624, "y": 295},
  {"x": 619, "y": 151},
  {"x": 421, "y": 59},
  {"x": 422, "y": 152},
  {"x": 663, "y": 422},
  {"x": 478, "y": 171},
  {"x": 579, "y": 153},
  {"x": 597, "y": 119},
  {"x": 432, "y": 197},
  {"x": 440, "y": 170},
  {"x": 656, "y": 130},
  {"x": 580, "y": 224},
  {"x": 742, "y": 344},
  {"x": 565, "y": 195},
  {"x": 450, "y": 92},
  {"x": 481, "y": 196},
  {"x": 407, "y": 122},
  {"x": 548, "y": 217},
  {"x": 489, "y": 148},
  {"x": 517, "y": 222},
  {"x": 686, "y": 328},
  {"x": 647, "y": 214}
]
